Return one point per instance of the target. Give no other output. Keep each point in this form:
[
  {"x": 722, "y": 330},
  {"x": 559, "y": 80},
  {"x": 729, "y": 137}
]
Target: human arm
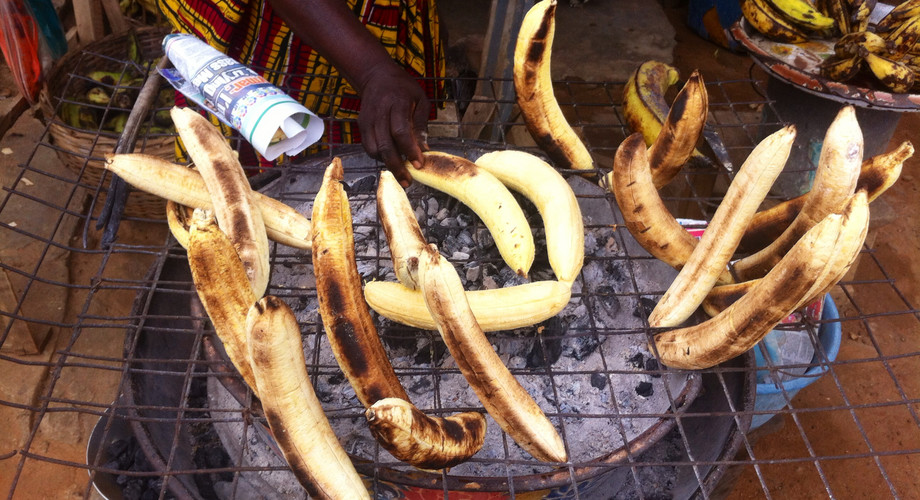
[{"x": 394, "y": 108}]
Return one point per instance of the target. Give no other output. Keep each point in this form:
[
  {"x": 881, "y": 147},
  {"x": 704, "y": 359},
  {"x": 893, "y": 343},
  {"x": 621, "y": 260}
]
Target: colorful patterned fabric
[{"x": 250, "y": 32}]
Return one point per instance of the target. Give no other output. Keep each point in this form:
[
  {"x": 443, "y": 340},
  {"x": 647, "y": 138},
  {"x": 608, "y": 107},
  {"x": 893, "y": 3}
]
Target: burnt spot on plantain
[
  {"x": 343, "y": 331},
  {"x": 450, "y": 166}
]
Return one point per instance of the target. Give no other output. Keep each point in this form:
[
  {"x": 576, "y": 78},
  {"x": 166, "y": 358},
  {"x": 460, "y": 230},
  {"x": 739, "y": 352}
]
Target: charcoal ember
[
  {"x": 119, "y": 449},
  {"x": 546, "y": 348},
  {"x": 422, "y": 385},
  {"x": 598, "y": 380},
  {"x": 400, "y": 340},
  {"x": 134, "y": 490},
  {"x": 645, "y": 307},
  {"x": 483, "y": 238},
  {"x": 431, "y": 353},
  {"x": 645, "y": 389},
  {"x": 651, "y": 364},
  {"x": 579, "y": 344},
  {"x": 637, "y": 360},
  {"x": 366, "y": 184}
]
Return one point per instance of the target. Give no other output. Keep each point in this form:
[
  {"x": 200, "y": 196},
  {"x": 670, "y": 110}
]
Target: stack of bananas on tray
[{"x": 886, "y": 52}]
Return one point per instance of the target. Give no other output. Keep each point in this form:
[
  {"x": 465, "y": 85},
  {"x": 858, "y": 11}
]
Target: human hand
[{"x": 393, "y": 119}]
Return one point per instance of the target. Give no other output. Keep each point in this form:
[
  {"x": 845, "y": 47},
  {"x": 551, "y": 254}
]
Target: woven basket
[{"x": 83, "y": 151}]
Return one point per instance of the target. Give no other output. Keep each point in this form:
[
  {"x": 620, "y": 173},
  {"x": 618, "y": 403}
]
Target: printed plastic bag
[{"x": 20, "y": 41}]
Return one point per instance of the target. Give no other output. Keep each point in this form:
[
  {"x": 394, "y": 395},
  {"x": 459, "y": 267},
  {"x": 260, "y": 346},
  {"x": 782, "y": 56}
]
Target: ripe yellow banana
[
  {"x": 904, "y": 37},
  {"x": 404, "y": 236},
  {"x": 501, "y": 394},
  {"x": 428, "y": 443},
  {"x": 765, "y": 19},
  {"x": 876, "y": 175},
  {"x": 739, "y": 327},
  {"x": 680, "y": 131},
  {"x": 894, "y": 75},
  {"x": 859, "y": 11},
  {"x": 644, "y": 105},
  {"x": 495, "y": 309},
  {"x": 293, "y": 411},
  {"x": 835, "y": 181},
  {"x": 233, "y": 199},
  {"x": 852, "y": 44},
  {"x": 855, "y": 226},
  {"x": 902, "y": 12},
  {"x": 488, "y": 198},
  {"x": 841, "y": 69},
  {"x": 717, "y": 245},
  {"x": 346, "y": 319},
  {"x": 185, "y": 186},
  {"x": 646, "y": 216},
  {"x": 223, "y": 287},
  {"x": 803, "y": 14},
  {"x": 839, "y": 11},
  {"x": 533, "y": 86},
  {"x": 551, "y": 194}
]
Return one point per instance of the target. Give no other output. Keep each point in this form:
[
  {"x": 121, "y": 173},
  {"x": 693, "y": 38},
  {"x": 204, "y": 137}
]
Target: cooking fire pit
[{"x": 625, "y": 419}]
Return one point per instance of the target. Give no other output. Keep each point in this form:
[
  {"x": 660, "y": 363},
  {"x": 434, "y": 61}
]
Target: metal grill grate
[{"x": 130, "y": 347}]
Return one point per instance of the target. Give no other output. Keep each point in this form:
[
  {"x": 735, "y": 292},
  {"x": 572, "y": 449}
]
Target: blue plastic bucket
[{"x": 770, "y": 395}]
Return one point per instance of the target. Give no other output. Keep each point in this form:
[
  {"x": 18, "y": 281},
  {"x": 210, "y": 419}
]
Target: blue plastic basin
[{"x": 770, "y": 395}]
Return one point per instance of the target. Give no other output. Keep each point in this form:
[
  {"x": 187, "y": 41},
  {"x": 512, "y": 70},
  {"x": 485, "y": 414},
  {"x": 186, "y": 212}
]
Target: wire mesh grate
[{"x": 128, "y": 347}]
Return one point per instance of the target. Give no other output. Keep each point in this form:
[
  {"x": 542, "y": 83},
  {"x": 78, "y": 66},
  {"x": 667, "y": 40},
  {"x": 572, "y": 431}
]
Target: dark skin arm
[{"x": 394, "y": 108}]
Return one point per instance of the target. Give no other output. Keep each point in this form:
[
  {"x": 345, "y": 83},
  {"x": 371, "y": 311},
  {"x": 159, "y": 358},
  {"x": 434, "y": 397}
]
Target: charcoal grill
[{"x": 159, "y": 377}]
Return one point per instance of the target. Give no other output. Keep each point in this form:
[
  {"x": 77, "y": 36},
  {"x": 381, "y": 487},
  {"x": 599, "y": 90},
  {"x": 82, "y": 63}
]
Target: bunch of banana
[
  {"x": 787, "y": 21},
  {"x": 409, "y": 435},
  {"x": 534, "y": 90},
  {"x": 501, "y": 394},
  {"x": 671, "y": 131},
  {"x": 108, "y": 100}
]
